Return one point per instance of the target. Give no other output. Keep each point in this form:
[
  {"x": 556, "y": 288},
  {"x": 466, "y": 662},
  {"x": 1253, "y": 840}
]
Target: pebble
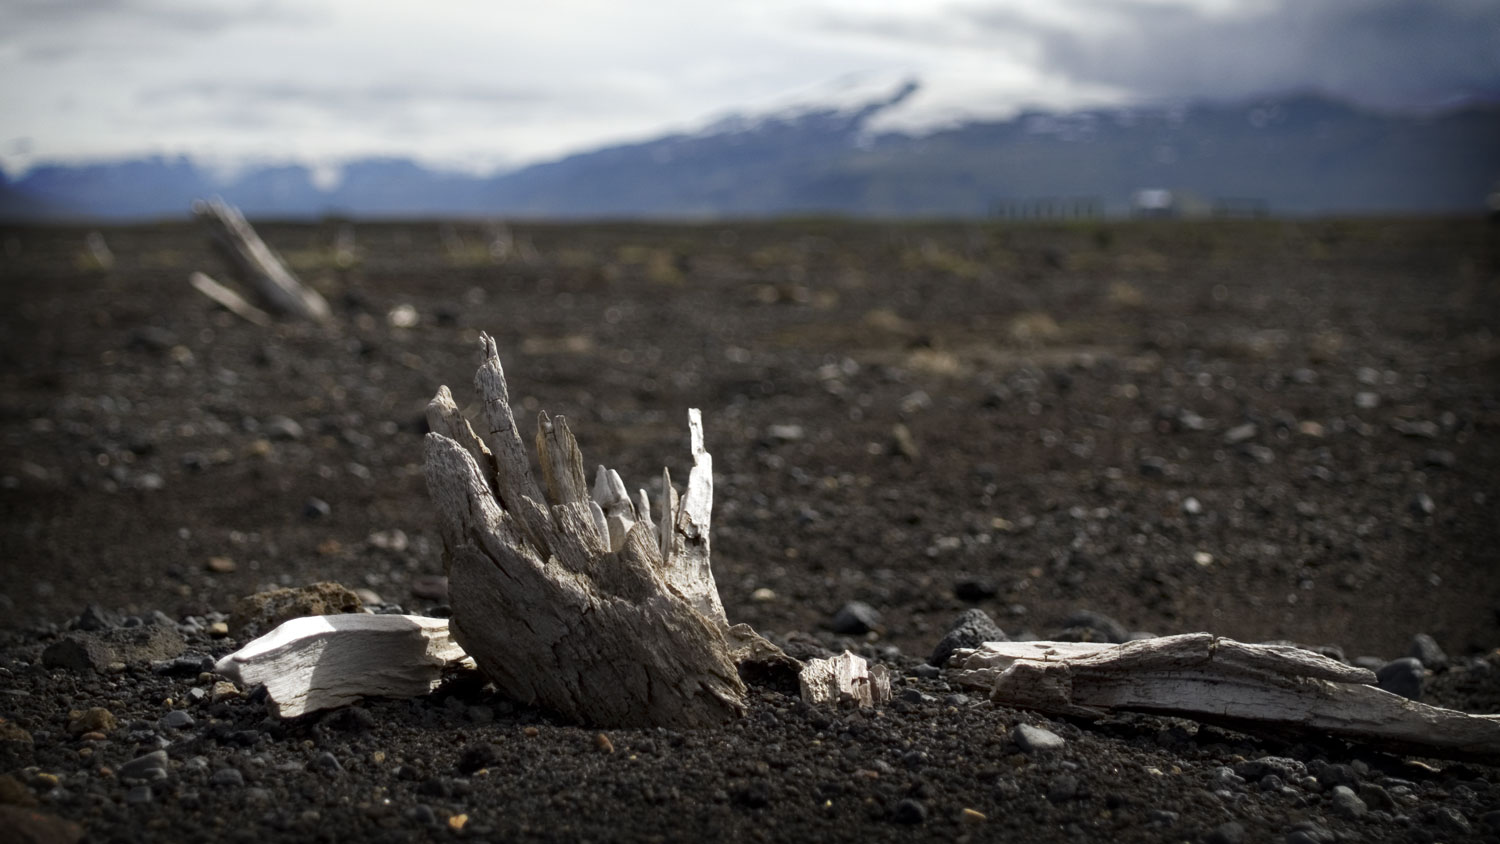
[
  {"x": 220, "y": 565},
  {"x": 145, "y": 769},
  {"x": 1035, "y": 740},
  {"x": 1346, "y": 803},
  {"x": 1108, "y": 629},
  {"x": 855, "y": 618},
  {"x": 325, "y": 764},
  {"x": 1240, "y": 433},
  {"x": 1287, "y": 769},
  {"x": 1402, "y": 677},
  {"x": 1064, "y": 787},
  {"x": 972, "y": 628},
  {"x": 974, "y": 590},
  {"x": 1425, "y": 649},
  {"x": 227, "y": 778},
  {"x": 1366, "y": 400},
  {"x": 176, "y": 720},
  {"x": 1423, "y": 505},
  {"x": 77, "y": 654},
  {"x": 1191, "y": 506},
  {"x": 430, "y": 587},
  {"x": 138, "y": 794},
  {"x": 282, "y": 428},
  {"x": 1231, "y": 832},
  {"x": 95, "y": 719},
  {"x": 910, "y": 811},
  {"x": 1307, "y": 832},
  {"x": 316, "y": 508}
]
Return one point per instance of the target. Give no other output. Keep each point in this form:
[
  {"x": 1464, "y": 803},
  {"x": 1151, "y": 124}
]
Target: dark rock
[
  {"x": 431, "y": 587},
  {"x": 855, "y": 618},
  {"x": 95, "y": 618},
  {"x": 1035, "y": 740},
  {"x": 910, "y": 811},
  {"x": 1447, "y": 819},
  {"x": 138, "y": 794},
  {"x": 1439, "y": 459},
  {"x": 476, "y": 757},
  {"x": 1105, "y": 628},
  {"x": 421, "y": 814},
  {"x": 28, "y": 826},
  {"x": 755, "y": 794},
  {"x": 187, "y": 665},
  {"x": 927, "y": 672},
  {"x": 1346, "y": 803},
  {"x": 1307, "y": 832},
  {"x": 972, "y": 628},
  {"x": 1330, "y": 776},
  {"x": 316, "y": 508},
  {"x": 974, "y": 590},
  {"x": 1402, "y": 677},
  {"x": 77, "y": 654},
  {"x": 1255, "y": 769},
  {"x": 1425, "y": 648},
  {"x": 1064, "y": 787},
  {"x": 176, "y": 720},
  {"x": 326, "y": 764},
  {"x": 227, "y": 778},
  {"x": 145, "y": 769},
  {"x": 1423, "y": 505},
  {"x": 1231, "y": 832},
  {"x": 1376, "y": 796},
  {"x": 1161, "y": 817}
]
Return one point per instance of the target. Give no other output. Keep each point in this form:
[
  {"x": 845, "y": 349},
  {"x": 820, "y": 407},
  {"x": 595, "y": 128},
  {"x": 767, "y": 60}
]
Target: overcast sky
[{"x": 481, "y": 84}]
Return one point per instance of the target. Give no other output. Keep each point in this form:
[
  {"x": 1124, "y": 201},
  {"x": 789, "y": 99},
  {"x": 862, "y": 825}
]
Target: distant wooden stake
[
  {"x": 256, "y": 265},
  {"x": 576, "y": 602},
  {"x": 228, "y": 299},
  {"x": 1198, "y": 675}
]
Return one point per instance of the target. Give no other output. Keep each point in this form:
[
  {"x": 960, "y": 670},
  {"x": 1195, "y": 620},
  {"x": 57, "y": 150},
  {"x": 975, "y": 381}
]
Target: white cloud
[{"x": 483, "y": 84}]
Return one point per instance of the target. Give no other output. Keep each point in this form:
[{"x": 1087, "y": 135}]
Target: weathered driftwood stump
[
  {"x": 255, "y": 264},
  {"x": 577, "y": 601}
]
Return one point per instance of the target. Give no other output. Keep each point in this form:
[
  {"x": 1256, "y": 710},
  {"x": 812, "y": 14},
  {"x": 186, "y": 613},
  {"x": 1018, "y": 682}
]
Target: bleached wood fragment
[
  {"x": 255, "y": 263},
  {"x": 1208, "y": 677},
  {"x": 844, "y": 679},
  {"x": 228, "y": 299},
  {"x": 323, "y": 661}
]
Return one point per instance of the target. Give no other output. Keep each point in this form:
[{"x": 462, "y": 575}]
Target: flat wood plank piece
[{"x": 324, "y": 661}]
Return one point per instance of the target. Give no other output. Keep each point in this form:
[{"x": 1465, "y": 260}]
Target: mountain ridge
[{"x": 1295, "y": 154}]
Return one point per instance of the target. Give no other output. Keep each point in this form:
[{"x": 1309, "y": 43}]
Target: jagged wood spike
[
  {"x": 668, "y": 517},
  {"x": 643, "y": 511},
  {"x": 562, "y": 463},
  {"x": 614, "y": 503},
  {"x": 443, "y": 416},
  {"x": 513, "y": 479},
  {"x": 688, "y": 567}
]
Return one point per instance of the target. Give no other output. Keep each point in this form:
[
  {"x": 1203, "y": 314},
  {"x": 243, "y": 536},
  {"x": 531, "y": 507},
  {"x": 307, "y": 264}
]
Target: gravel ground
[{"x": 1272, "y": 431}]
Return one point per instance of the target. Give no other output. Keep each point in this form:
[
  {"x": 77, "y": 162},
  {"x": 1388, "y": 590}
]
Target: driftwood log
[
  {"x": 1202, "y": 676},
  {"x": 573, "y": 599},
  {"x": 256, "y": 265}
]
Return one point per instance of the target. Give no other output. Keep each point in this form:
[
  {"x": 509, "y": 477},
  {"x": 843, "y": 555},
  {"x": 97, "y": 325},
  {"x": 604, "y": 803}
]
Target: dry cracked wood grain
[
  {"x": 573, "y": 600},
  {"x": 1199, "y": 675}
]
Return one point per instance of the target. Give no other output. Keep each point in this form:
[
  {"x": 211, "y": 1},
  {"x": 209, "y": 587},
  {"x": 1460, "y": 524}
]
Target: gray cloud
[
  {"x": 49, "y": 31},
  {"x": 1382, "y": 52},
  {"x": 339, "y": 98}
]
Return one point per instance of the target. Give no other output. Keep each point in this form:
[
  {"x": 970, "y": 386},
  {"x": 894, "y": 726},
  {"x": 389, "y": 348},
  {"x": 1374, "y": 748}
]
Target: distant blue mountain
[{"x": 1293, "y": 155}]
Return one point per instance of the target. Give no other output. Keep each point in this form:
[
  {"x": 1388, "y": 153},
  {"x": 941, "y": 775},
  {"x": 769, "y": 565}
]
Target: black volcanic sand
[{"x": 1271, "y": 431}]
